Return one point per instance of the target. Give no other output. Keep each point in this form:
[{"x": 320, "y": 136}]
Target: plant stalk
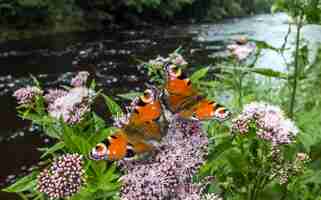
[{"x": 296, "y": 68}]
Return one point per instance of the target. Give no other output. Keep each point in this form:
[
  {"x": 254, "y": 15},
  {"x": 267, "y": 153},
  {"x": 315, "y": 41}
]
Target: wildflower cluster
[
  {"x": 72, "y": 106},
  {"x": 69, "y": 105},
  {"x": 168, "y": 173},
  {"x": 64, "y": 178},
  {"x": 269, "y": 122},
  {"x": 241, "y": 49},
  {"x": 27, "y": 95},
  {"x": 80, "y": 80},
  {"x": 174, "y": 58},
  {"x": 284, "y": 169},
  {"x": 54, "y": 94}
]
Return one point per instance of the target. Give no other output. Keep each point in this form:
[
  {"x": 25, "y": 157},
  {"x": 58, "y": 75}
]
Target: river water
[{"x": 111, "y": 59}]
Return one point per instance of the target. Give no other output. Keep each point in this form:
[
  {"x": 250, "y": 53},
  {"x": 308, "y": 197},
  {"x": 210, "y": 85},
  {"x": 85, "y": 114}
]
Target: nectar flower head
[
  {"x": 270, "y": 122},
  {"x": 164, "y": 176},
  {"x": 73, "y": 106},
  {"x": 27, "y": 94},
  {"x": 241, "y": 52},
  {"x": 80, "y": 80},
  {"x": 63, "y": 178},
  {"x": 54, "y": 94}
]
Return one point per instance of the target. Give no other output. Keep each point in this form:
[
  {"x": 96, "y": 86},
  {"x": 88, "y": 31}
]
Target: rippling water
[{"x": 111, "y": 58}]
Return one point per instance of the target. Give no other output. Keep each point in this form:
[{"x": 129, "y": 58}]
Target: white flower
[{"x": 72, "y": 106}]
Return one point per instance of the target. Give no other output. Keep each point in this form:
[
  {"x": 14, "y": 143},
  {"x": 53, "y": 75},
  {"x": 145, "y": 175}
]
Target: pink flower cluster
[
  {"x": 80, "y": 80},
  {"x": 64, "y": 178},
  {"x": 27, "y": 95},
  {"x": 72, "y": 106},
  {"x": 54, "y": 94},
  {"x": 269, "y": 121},
  {"x": 168, "y": 173},
  {"x": 241, "y": 51},
  {"x": 174, "y": 58}
]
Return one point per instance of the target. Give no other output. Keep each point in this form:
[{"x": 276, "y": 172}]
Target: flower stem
[{"x": 296, "y": 68}]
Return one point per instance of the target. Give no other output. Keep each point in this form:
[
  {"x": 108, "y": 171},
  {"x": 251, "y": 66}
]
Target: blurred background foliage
[{"x": 22, "y": 14}]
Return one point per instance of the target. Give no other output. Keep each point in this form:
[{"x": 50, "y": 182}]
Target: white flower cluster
[
  {"x": 270, "y": 121},
  {"x": 73, "y": 106}
]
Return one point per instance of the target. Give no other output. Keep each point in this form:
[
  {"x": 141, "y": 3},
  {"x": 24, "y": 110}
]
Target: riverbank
[{"x": 29, "y": 21}]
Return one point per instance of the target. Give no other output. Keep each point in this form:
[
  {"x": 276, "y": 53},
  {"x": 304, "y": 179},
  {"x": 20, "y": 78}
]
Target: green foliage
[
  {"x": 231, "y": 8},
  {"x": 29, "y": 13},
  {"x": 26, "y": 13},
  {"x": 24, "y": 184},
  {"x": 102, "y": 178},
  {"x": 310, "y": 10}
]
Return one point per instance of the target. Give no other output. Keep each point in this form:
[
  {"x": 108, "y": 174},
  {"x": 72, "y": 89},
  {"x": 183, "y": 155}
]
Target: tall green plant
[{"x": 302, "y": 11}]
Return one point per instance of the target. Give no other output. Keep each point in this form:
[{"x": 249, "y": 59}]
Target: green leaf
[
  {"x": 225, "y": 144},
  {"x": 99, "y": 167},
  {"x": 99, "y": 123},
  {"x": 102, "y": 135},
  {"x": 179, "y": 50},
  {"x": 264, "y": 45},
  {"x": 130, "y": 95},
  {"x": 24, "y": 184},
  {"x": 113, "y": 107},
  {"x": 53, "y": 149},
  {"x": 93, "y": 84},
  {"x": 314, "y": 177},
  {"x": 307, "y": 140},
  {"x": 201, "y": 73},
  {"x": 269, "y": 73}
]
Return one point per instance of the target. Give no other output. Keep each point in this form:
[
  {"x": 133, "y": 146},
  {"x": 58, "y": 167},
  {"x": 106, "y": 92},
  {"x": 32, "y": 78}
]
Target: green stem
[
  {"x": 240, "y": 90},
  {"x": 284, "y": 193},
  {"x": 296, "y": 68}
]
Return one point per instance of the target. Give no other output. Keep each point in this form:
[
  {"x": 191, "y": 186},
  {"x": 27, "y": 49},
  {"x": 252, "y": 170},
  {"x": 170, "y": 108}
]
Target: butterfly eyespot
[
  {"x": 99, "y": 152},
  {"x": 100, "y": 149},
  {"x": 130, "y": 153},
  {"x": 148, "y": 96},
  {"x": 194, "y": 116},
  {"x": 222, "y": 114}
]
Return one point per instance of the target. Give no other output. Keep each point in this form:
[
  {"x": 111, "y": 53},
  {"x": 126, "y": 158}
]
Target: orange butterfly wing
[
  {"x": 183, "y": 99},
  {"x": 148, "y": 112},
  {"x": 133, "y": 138},
  {"x": 117, "y": 146}
]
